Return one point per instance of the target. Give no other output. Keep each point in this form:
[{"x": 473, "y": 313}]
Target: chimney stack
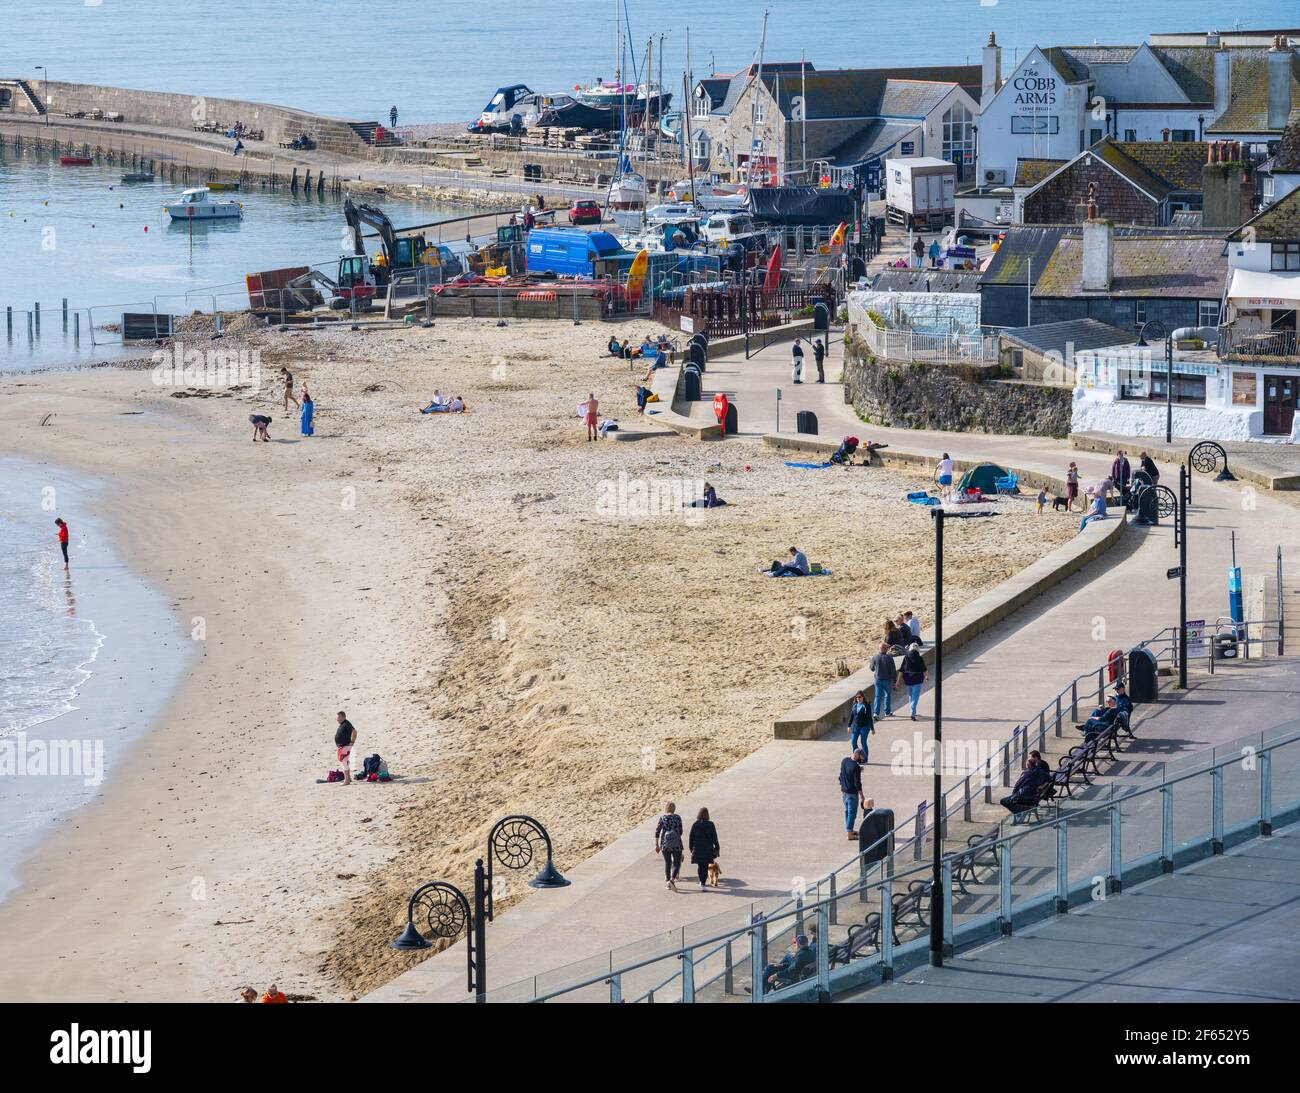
[
  {"x": 1222, "y": 80},
  {"x": 1098, "y": 253},
  {"x": 992, "y": 76},
  {"x": 1279, "y": 84}
]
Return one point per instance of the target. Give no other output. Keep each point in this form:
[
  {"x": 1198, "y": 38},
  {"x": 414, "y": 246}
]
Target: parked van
[
  {"x": 727, "y": 226},
  {"x": 570, "y": 252}
]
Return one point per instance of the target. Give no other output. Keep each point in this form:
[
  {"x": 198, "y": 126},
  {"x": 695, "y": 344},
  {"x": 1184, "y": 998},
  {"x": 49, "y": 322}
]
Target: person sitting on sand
[
  {"x": 248, "y": 995},
  {"x": 615, "y": 350},
  {"x": 260, "y": 424},
  {"x": 590, "y": 415},
  {"x": 797, "y": 566},
  {"x": 274, "y": 994},
  {"x": 642, "y": 396},
  {"x": 710, "y": 496},
  {"x": 437, "y": 404},
  {"x": 345, "y": 738}
]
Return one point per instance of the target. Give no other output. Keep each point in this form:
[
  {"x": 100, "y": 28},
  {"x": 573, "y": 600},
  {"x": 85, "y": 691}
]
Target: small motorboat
[
  {"x": 223, "y": 186},
  {"x": 137, "y": 176},
  {"x": 193, "y": 204},
  {"x": 75, "y": 161}
]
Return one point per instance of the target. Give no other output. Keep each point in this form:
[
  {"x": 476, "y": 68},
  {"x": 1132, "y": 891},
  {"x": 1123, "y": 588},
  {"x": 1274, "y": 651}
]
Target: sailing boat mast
[
  {"x": 618, "y": 41},
  {"x": 753, "y": 106}
]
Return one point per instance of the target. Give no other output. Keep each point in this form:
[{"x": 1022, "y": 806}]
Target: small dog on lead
[{"x": 715, "y": 874}]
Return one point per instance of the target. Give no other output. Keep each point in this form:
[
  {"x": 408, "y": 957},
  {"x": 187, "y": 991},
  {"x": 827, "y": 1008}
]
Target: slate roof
[
  {"x": 716, "y": 88},
  {"x": 1023, "y": 254},
  {"x": 926, "y": 280},
  {"x": 1076, "y": 333},
  {"x": 1030, "y": 172},
  {"x": 856, "y": 92},
  {"x": 1287, "y": 160},
  {"x": 1280, "y": 221},
  {"x": 1169, "y": 266},
  {"x": 1247, "y": 110},
  {"x": 1157, "y": 168},
  {"x": 871, "y": 141}
]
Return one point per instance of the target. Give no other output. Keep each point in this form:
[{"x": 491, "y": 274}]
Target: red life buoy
[
  {"x": 720, "y": 409},
  {"x": 1114, "y": 664}
]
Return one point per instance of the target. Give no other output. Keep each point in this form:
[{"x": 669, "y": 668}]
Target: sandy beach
[{"x": 500, "y": 622}]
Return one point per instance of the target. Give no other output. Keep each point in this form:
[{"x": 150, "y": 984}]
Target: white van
[{"x": 728, "y": 226}]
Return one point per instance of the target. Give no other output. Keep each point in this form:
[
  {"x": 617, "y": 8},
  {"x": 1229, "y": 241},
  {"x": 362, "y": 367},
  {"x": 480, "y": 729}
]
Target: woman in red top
[{"x": 63, "y": 538}]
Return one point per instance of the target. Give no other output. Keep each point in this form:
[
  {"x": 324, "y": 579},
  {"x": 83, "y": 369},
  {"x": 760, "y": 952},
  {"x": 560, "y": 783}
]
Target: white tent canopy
[{"x": 1250, "y": 289}]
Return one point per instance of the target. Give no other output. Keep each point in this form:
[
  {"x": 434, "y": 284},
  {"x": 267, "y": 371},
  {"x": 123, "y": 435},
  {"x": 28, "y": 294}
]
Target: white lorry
[{"x": 920, "y": 192}]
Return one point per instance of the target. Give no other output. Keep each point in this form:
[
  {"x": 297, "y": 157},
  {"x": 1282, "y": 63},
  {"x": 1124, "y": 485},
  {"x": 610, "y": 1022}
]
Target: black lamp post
[
  {"x": 937, "y": 893},
  {"x": 447, "y": 911}
]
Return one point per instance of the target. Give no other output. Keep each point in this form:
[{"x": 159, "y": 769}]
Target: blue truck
[{"x": 571, "y": 252}]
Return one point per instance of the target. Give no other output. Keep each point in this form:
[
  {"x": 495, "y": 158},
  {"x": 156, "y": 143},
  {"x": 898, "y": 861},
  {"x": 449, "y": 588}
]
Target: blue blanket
[{"x": 809, "y": 466}]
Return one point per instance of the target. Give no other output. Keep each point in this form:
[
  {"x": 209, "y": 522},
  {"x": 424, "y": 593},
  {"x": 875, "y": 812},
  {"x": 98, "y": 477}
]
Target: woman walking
[
  {"x": 704, "y": 845},
  {"x": 308, "y": 412},
  {"x": 860, "y": 723},
  {"x": 914, "y": 675},
  {"x": 287, "y": 377},
  {"x": 668, "y": 842},
  {"x": 1071, "y": 486}
]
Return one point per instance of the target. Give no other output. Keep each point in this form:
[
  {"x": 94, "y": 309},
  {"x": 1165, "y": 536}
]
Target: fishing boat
[
  {"x": 626, "y": 202},
  {"x": 75, "y": 161},
  {"x": 193, "y": 204},
  {"x": 137, "y": 176},
  {"x": 712, "y": 197}
]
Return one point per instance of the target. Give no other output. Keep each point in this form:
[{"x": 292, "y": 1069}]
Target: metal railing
[
  {"x": 1225, "y": 797},
  {"x": 908, "y": 345},
  {"x": 1256, "y": 343},
  {"x": 910, "y": 837}
]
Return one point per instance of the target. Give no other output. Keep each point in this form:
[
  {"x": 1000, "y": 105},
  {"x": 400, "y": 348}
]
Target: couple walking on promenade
[{"x": 702, "y": 843}]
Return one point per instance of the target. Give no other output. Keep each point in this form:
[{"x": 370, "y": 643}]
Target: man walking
[
  {"x": 345, "y": 737},
  {"x": 1120, "y": 472},
  {"x": 851, "y": 789},
  {"x": 796, "y": 362},
  {"x": 819, "y": 357},
  {"x": 918, "y": 251},
  {"x": 883, "y": 668},
  {"x": 392, "y": 116}
]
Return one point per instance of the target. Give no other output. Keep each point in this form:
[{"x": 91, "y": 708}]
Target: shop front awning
[{"x": 1250, "y": 289}]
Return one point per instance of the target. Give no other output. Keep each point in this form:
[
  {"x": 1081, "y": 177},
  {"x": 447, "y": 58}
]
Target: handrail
[
  {"x": 1013, "y": 750},
  {"x": 949, "y": 860}
]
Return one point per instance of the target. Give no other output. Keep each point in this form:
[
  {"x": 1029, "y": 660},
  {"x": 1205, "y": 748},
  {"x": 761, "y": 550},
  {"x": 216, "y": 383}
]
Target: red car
[{"x": 585, "y": 212}]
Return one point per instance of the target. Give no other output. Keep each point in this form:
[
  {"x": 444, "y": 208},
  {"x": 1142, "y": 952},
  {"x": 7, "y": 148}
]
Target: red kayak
[{"x": 75, "y": 161}]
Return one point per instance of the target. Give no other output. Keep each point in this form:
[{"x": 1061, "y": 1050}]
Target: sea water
[
  {"x": 441, "y": 62},
  {"x": 81, "y": 234},
  {"x": 88, "y": 656}
]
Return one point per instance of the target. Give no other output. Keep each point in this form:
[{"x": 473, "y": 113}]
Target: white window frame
[{"x": 1208, "y": 313}]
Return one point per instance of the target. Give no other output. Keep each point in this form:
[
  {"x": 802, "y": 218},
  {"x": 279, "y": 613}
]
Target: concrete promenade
[
  {"x": 779, "y": 811},
  {"x": 1221, "y": 930}
]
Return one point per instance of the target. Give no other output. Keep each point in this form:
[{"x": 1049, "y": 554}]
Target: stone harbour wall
[{"x": 967, "y": 400}]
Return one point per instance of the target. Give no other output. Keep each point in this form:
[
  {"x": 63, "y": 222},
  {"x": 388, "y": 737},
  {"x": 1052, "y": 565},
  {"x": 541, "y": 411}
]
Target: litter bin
[
  {"x": 695, "y": 351},
  {"x": 1225, "y": 645},
  {"x": 821, "y": 316},
  {"x": 1143, "y": 684},
  {"x": 805, "y": 421},
  {"x": 691, "y": 384},
  {"x": 875, "y": 825},
  {"x": 733, "y": 420}
]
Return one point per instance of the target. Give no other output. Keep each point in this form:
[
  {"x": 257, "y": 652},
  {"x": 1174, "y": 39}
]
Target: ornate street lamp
[{"x": 446, "y": 911}]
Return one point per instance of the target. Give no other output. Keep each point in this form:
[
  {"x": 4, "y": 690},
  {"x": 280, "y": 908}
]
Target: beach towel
[
  {"x": 809, "y": 466},
  {"x": 814, "y": 573},
  {"x": 920, "y": 497}
]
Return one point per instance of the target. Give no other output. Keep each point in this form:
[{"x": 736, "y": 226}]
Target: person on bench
[
  {"x": 1025, "y": 793},
  {"x": 1122, "y": 700},
  {"x": 1101, "y": 719},
  {"x": 792, "y": 966},
  {"x": 797, "y": 566}
]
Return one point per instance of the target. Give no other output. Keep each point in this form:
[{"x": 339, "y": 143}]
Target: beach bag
[{"x": 334, "y": 776}]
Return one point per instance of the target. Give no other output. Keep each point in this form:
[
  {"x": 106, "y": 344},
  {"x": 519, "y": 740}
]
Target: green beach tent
[{"x": 984, "y": 476}]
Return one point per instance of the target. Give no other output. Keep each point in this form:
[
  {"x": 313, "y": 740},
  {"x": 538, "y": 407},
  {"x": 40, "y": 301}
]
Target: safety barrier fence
[
  {"x": 911, "y": 838},
  {"x": 1200, "y": 806}
]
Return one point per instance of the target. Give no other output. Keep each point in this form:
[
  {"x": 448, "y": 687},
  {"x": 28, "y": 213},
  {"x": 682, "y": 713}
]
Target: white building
[{"x": 1061, "y": 100}]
